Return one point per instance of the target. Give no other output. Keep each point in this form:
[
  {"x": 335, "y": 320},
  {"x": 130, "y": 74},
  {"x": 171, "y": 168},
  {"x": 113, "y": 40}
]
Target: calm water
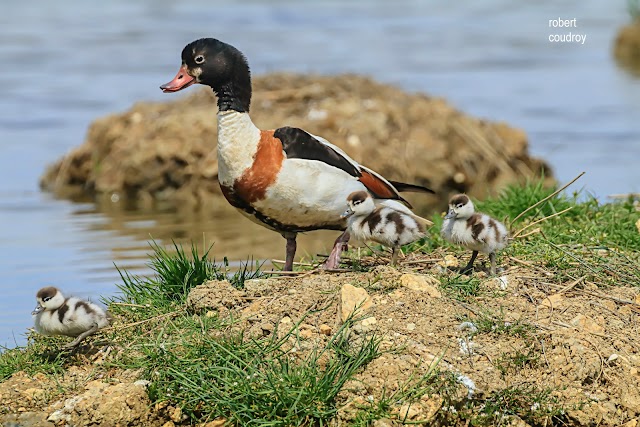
[{"x": 63, "y": 66}]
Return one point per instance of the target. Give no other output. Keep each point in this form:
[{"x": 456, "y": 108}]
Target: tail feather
[{"x": 412, "y": 188}]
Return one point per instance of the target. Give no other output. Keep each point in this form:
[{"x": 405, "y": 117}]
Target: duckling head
[
  {"x": 360, "y": 203},
  {"x": 460, "y": 207},
  {"x": 49, "y": 298}
]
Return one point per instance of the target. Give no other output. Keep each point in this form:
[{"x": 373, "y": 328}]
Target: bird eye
[
  {"x": 459, "y": 205},
  {"x": 199, "y": 59},
  {"x": 45, "y": 299},
  {"x": 357, "y": 202}
]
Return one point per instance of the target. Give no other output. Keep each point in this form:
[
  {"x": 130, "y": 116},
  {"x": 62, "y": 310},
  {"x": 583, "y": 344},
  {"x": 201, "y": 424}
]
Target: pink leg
[
  {"x": 291, "y": 251},
  {"x": 334, "y": 257}
]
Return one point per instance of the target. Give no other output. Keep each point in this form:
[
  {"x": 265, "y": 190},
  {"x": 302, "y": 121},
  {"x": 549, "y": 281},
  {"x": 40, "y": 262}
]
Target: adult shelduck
[
  {"x": 390, "y": 223},
  {"x": 286, "y": 179}
]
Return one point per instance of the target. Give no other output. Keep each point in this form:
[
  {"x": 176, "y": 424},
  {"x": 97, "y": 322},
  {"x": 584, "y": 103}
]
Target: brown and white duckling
[
  {"x": 72, "y": 317},
  {"x": 473, "y": 230},
  {"x": 390, "y": 223}
]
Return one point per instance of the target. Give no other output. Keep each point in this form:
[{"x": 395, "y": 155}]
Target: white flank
[{"x": 308, "y": 193}]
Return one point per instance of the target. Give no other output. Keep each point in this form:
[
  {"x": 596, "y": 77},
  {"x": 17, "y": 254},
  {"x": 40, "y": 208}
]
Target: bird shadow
[{"x": 87, "y": 350}]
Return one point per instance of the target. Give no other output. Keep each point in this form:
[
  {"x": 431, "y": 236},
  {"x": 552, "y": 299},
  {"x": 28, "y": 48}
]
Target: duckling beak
[
  {"x": 37, "y": 310},
  {"x": 346, "y": 214},
  {"x": 182, "y": 80},
  {"x": 450, "y": 215}
]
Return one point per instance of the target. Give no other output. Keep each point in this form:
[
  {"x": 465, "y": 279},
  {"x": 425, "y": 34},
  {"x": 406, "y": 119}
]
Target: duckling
[
  {"x": 473, "y": 230},
  {"x": 389, "y": 223},
  {"x": 72, "y": 317}
]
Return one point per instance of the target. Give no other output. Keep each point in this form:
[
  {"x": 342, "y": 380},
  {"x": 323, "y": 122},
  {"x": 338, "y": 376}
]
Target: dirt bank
[
  {"x": 541, "y": 354},
  {"x": 165, "y": 152}
]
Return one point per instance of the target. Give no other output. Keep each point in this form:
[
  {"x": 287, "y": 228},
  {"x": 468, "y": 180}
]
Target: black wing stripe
[
  {"x": 298, "y": 144},
  {"x": 411, "y": 188}
]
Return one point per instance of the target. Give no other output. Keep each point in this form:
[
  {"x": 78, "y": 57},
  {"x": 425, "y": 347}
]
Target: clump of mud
[
  {"x": 626, "y": 48},
  {"x": 166, "y": 152}
]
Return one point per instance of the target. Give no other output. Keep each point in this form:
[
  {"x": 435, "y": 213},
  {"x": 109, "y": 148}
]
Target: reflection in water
[{"x": 232, "y": 235}]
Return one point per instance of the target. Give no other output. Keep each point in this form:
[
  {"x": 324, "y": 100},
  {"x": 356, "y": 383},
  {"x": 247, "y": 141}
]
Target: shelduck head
[
  {"x": 49, "y": 298},
  {"x": 460, "y": 207},
  {"x": 360, "y": 203},
  {"x": 216, "y": 64}
]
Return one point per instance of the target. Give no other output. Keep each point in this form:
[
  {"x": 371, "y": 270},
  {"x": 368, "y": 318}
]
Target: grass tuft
[
  {"x": 36, "y": 357},
  {"x": 259, "y": 381},
  {"x": 175, "y": 274}
]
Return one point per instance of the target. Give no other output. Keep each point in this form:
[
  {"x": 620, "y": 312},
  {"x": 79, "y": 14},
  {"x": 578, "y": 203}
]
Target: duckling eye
[
  {"x": 357, "y": 202},
  {"x": 199, "y": 59},
  {"x": 45, "y": 299},
  {"x": 459, "y": 205}
]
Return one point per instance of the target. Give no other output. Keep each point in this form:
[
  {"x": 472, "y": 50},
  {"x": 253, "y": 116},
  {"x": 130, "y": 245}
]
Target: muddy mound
[
  {"x": 626, "y": 48},
  {"x": 159, "y": 152}
]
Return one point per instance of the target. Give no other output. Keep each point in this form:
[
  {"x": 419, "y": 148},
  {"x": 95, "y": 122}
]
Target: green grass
[
  {"x": 596, "y": 241},
  {"x": 37, "y": 356},
  {"x": 488, "y": 322},
  {"x": 460, "y": 287},
  {"x": 534, "y": 405},
  {"x": 257, "y": 381},
  {"x": 174, "y": 275}
]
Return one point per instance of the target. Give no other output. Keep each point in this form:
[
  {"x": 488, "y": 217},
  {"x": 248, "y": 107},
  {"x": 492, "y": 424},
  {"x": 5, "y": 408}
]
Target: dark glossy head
[{"x": 218, "y": 65}]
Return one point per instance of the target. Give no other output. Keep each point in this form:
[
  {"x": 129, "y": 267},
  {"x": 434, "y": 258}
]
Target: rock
[
  {"x": 165, "y": 152},
  {"x": 501, "y": 282},
  {"x": 25, "y": 419},
  {"x": 34, "y": 394},
  {"x": 215, "y": 294},
  {"x": 516, "y": 421},
  {"x": 383, "y": 422},
  {"x": 587, "y": 324},
  {"x": 175, "y": 414},
  {"x": 369, "y": 321},
  {"x": 406, "y": 412},
  {"x": 108, "y": 405},
  {"x": 260, "y": 287},
  {"x": 286, "y": 320},
  {"x": 411, "y": 327},
  {"x": 449, "y": 261},
  {"x": 215, "y": 423},
  {"x": 553, "y": 301},
  {"x": 422, "y": 283},
  {"x": 630, "y": 397},
  {"x": 325, "y": 329},
  {"x": 352, "y": 299},
  {"x": 306, "y": 334}
]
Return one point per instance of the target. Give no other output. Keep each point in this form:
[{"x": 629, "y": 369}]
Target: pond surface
[{"x": 64, "y": 64}]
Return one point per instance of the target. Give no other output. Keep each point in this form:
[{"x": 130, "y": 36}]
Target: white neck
[{"x": 238, "y": 140}]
